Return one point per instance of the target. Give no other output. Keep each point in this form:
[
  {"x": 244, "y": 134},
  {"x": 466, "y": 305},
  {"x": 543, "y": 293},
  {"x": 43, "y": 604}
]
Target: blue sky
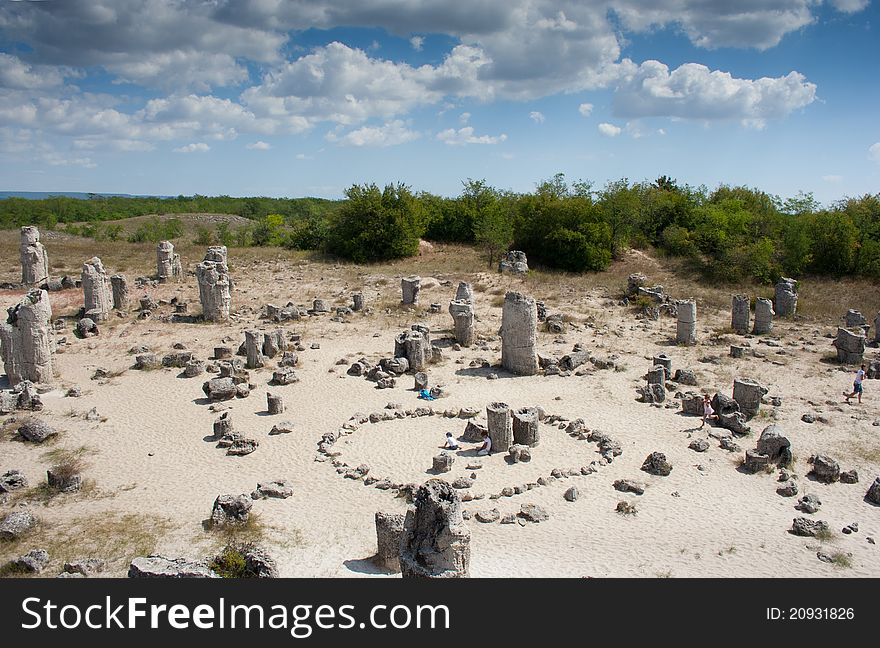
[{"x": 297, "y": 98}]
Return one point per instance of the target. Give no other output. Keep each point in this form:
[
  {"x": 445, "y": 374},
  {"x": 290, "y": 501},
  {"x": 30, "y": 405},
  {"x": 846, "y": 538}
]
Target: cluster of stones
[
  {"x": 660, "y": 379},
  {"x": 233, "y": 381},
  {"x": 500, "y": 420},
  {"x": 180, "y": 359},
  {"x": 34, "y": 260},
  {"x": 214, "y": 285},
  {"x": 27, "y": 340},
  {"x": 733, "y": 413},
  {"x": 772, "y": 449},
  {"x": 22, "y": 396},
  {"x": 574, "y": 363},
  {"x": 514, "y": 262},
  {"x": 167, "y": 262}
]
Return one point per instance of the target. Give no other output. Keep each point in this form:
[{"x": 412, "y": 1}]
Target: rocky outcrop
[
  {"x": 157, "y": 566},
  {"x": 435, "y": 542},
  {"x": 27, "y": 340}
]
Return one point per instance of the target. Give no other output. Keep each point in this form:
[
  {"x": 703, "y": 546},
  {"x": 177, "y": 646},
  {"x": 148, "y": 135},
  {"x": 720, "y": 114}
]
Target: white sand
[{"x": 151, "y": 455}]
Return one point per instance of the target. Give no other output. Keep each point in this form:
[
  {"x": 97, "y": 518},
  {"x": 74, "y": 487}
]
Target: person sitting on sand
[
  {"x": 486, "y": 448},
  {"x": 708, "y": 412},
  {"x": 451, "y": 443},
  {"x": 857, "y": 385}
]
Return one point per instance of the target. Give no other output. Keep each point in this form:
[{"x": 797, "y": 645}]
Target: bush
[
  {"x": 376, "y": 225},
  {"x": 230, "y": 563},
  {"x": 203, "y": 236}
]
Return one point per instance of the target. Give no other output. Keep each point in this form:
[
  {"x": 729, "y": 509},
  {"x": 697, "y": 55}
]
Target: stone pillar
[
  {"x": 463, "y": 321},
  {"x": 525, "y": 427},
  {"x": 34, "y": 261},
  {"x": 253, "y": 344},
  {"x": 854, "y": 319},
  {"x": 786, "y": 297},
  {"x": 763, "y": 316},
  {"x": 664, "y": 361},
  {"x": 165, "y": 261},
  {"x": 274, "y": 404},
  {"x": 415, "y": 347},
  {"x": 318, "y": 306},
  {"x": 96, "y": 290},
  {"x": 686, "y": 331},
  {"x": 435, "y": 543},
  {"x": 657, "y": 375},
  {"x": 740, "y": 313},
  {"x": 410, "y": 287},
  {"x": 274, "y": 343},
  {"x": 121, "y": 300},
  {"x": 498, "y": 426},
  {"x": 748, "y": 394},
  {"x": 27, "y": 340},
  {"x": 357, "y": 302},
  {"x": 389, "y": 529},
  {"x": 223, "y": 426},
  {"x": 519, "y": 326},
  {"x": 464, "y": 292},
  {"x": 214, "y": 285},
  {"x": 850, "y": 346}
]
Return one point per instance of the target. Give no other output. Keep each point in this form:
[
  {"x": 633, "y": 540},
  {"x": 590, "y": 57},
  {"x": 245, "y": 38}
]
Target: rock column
[
  {"x": 96, "y": 290},
  {"x": 415, "y": 346},
  {"x": 464, "y": 292},
  {"x": 498, "y": 426},
  {"x": 357, "y": 302},
  {"x": 519, "y": 322},
  {"x": 850, "y": 346},
  {"x": 214, "y": 285},
  {"x": 435, "y": 542},
  {"x": 165, "y": 261},
  {"x": 389, "y": 529},
  {"x": 740, "y": 314},
  {"x": 253, "y": 344},
  {"x": 121, "y": 299},
  {"x": 34, "y": 261},
  {"x": 686, "y": 331},
  {"x": 463, "y": 321},
  {"x": 409, "y": 288},
  {"x": 763, "y": 316},
  {"x": 786, "y": 297},
  {"x": 27, "y": 341},
  {"x": 525, "y": 427}
]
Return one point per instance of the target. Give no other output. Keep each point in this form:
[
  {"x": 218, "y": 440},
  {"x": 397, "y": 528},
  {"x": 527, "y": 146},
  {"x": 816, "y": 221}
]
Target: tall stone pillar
[
  {"x": 435, "y": 542},
  {"x": 214, "y": 285},
  {"x": 686, "y": 330},
  {"x": 96, "y": 290},
  {"x": 740, "y": 314},
  {"x": 34, "y": 261},
  {"x": 27, "y": 340},
  {"x": 519, "y": 326}
]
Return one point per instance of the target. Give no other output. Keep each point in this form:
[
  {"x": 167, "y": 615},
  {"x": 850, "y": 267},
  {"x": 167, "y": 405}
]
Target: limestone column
[
  {"x": 96, "y": 290},
  {"x": 435, "y": 542},
  {"x": 164, "y": 261},
  {"x": 740, "y": 314},
  {"x": 27, "y": 340},
  {"x": 519, "y": 322},
  {"x": 686, "y": 331},
  {"x": 525, "y": 427},
  {"x": 34, "y": 261},
  {"x": 498, "y": 426},
  {"x": 786, "y": 297},
  {"x": 763, "y": 316},
  {"x": 214, "y": 285},
  {"x": 121, "y": 299},
  {"x": 748, "y": 394},
  {"x": 389, "y": 529},
  {"x": 253, "y": 343},
  {"x": 409, "y": 288},
  {"x": 463, "y": 321}
]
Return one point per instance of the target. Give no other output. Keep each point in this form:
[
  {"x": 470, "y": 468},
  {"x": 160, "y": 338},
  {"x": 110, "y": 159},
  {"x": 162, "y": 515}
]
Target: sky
[{"x": 307, "y": 97}]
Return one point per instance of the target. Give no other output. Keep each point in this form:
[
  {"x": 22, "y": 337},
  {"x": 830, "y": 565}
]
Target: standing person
[
  {"x": 857, "y": 385},
  {"x": 486, "y": 448},
  {"x": 708, "y": 412}
]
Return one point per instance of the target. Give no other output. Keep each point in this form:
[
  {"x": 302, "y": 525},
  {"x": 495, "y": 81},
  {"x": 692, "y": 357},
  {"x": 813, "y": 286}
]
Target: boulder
[
  {"x": 231, "y": 509},
  {"x": 656, "y": 464},
  {"x": 825, "y": 469},
  {"x": 156, "y": 566}
]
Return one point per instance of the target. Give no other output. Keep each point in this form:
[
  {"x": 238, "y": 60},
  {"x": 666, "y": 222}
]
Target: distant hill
[{"x": 81, "y": 195}]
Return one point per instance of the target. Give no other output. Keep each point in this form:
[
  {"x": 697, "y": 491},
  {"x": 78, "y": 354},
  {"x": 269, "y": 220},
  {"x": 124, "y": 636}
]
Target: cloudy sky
[{"x": 306, "y": 97}]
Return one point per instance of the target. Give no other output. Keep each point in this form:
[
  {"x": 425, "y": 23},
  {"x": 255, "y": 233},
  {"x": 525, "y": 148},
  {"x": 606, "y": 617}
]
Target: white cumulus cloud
[
  {"x": 609, "y": 130},
  {"x": 259, "y": 146},
  {"x": 195, "y": 147},
  {"x": 417, "y": 43},
  {"x": 390, "y": 134},
  {"x": 466, "y": 135},
  {"x": 537, "y": 117},
  {"x": 585, "y": 109}
]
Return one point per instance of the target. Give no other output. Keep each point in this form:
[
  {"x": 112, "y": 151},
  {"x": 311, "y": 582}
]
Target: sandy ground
[{"x": 152, "y": 469}]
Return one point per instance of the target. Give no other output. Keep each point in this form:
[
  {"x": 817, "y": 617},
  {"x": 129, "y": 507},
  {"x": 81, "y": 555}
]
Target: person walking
[
  {"x": 708, "y": 412},
  {"x": 857, "y": 385}
]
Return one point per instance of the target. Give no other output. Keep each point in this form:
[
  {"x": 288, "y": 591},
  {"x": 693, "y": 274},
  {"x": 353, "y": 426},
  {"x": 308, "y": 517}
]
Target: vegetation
[{"x": 730, "y": 233}]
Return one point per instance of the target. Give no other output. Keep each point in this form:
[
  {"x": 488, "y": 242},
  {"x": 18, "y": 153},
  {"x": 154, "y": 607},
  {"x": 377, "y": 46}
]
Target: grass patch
[
  {"x": 826, "y": 535},
  {"x": 841, "y": 559}
]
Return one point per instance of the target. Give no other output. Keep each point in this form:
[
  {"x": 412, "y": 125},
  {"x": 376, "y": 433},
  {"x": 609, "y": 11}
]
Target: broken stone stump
[
  {"x": 34, "y": 260},
  {"x": 275, "y": 404},
  {"x": 443, "y": 462},
  {"x": 215, "y": 285},
  {"x": 121, "y": 298},
  {"x": 27, "y": 340},
  {"x": 525, "y": 427},
  {"x": 850, "y": 346},
  {"x": 499, "y": 426},
  {"x": 409, "y": 288},
  {"x": 420, "y": 381},
  {"x": 763, "y": 316},
  {"x": 740, "y": 314},
  {"x": 253, "y": 343},
  {"x": 435, "y": 543},
  {"x": 97, "y": 294},
  {"x": 786, "y": 297},
  {"x": 389, "y": 529},
  {"x": 748, "y": 394},
  {"x": 231, "y": 509}
]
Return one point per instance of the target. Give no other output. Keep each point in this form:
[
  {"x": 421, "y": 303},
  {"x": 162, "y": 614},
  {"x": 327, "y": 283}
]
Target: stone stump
[
  {"x": 519, "y": 325},
  {"x": 442, "y": 462},
  {"x": 27, "y": 340},
  {"x": 165, "y": 261},
  {"x": 34, "y": 260},
  {"x": 748, "y": 393},
  {"x": 214, "y": 285},
  {"x": 686, "y": 329},
  {"x": 763, "y": 316},
  {"x": 525, "y": 427},
  {"x": 435, "y": 543},
  {"x": 223, "y": 426},
  {"x": 664, "y": 361},
  {"x": 498, "y": 426},
  {"x": 389, "y": 529},
  {"x": 514, "y": 261},
  {"x": 415, "y": 346},
  {"x": 657, "y": 375},
  {"x": 409, "y": 288},
  {"x": 96, "y": 290},
  {"x": 253, "y": 344},
  {"x": 121, "y": 298},
  {"x": 464, "y": 292},
  {"x": 357, "y": 303},
  {"x": 740, "y": 314},
  {"x": 786, "y": 297},
  {"x": 850, "y": 346},
  {"x": 854, "y": 319},
  {"x": 274, "y": 404}
]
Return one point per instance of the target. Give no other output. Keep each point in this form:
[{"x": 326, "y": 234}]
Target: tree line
[{"x": 726, "y": 233}]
